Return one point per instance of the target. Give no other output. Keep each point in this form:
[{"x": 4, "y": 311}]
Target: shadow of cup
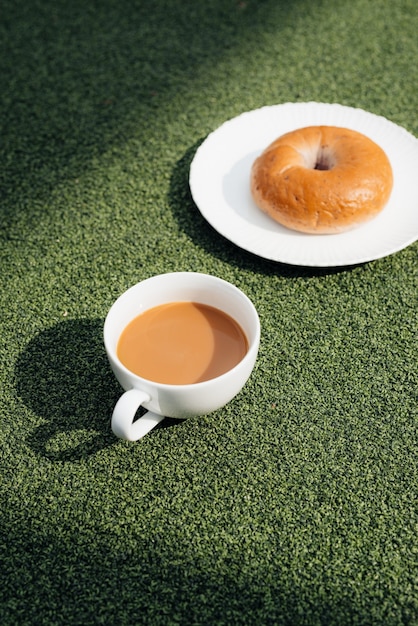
[{"x": 63, "y": 376}]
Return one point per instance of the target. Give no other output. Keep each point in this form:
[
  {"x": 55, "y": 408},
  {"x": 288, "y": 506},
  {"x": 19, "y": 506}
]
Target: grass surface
[{"x": 295, "y": 504}]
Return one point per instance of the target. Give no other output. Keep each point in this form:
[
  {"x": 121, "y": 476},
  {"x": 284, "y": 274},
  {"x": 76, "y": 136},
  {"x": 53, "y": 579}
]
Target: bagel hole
[{"x": 324, "y": 159}]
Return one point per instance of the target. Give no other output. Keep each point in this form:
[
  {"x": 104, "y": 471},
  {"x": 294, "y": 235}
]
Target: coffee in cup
[{"x": 180, "y": 344}]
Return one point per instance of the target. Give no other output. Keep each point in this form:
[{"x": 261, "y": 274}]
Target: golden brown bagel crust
[{"x": 322, "y": 179}]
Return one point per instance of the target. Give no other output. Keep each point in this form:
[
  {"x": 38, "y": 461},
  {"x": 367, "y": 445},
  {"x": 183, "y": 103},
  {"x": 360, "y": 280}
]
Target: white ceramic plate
[{"x": 219, "y": 183}]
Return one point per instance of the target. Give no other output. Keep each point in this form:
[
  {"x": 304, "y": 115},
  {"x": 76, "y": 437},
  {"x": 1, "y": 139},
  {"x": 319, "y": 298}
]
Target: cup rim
[{"x": 253, "y": 347}]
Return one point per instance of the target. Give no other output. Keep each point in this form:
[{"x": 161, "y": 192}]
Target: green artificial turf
[{"x": 296, "y": 504}]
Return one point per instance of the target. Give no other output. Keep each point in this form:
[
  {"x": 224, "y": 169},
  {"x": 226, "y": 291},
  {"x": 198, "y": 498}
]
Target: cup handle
[{"x": 123, "y": 425}]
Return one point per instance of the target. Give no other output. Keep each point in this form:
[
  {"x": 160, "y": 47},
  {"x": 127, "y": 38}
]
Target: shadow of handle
[{"x": 123, "y": 424}]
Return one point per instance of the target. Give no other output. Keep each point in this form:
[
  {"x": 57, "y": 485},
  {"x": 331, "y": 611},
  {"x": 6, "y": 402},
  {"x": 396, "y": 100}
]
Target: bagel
[{"x": 322, "y": 179}]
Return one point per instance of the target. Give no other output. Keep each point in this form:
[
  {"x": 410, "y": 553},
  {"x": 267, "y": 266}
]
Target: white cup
[{"x": 180, "y": 401}]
